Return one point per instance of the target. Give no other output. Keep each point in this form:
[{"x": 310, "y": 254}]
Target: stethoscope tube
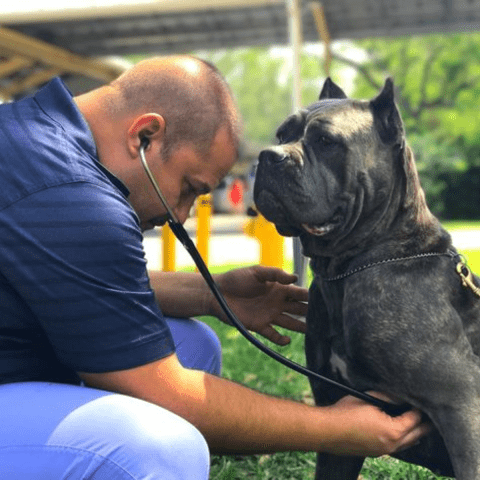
[{"x": 182, "y": 235}]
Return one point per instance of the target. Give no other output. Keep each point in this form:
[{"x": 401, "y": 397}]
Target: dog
[{"x": 392, "y": 308}]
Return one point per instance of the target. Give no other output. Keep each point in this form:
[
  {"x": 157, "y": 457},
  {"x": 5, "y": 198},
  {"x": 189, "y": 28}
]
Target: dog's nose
[{"x": 271, "y": 156}]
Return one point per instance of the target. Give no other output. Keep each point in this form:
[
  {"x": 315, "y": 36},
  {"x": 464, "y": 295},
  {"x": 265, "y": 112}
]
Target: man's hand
[
  {"x": 367, "y": 431},
  {"x": 262, "y": 297}
]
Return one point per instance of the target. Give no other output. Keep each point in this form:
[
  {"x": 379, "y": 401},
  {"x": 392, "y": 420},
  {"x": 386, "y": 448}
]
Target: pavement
[{"x": 228, "y": 243}]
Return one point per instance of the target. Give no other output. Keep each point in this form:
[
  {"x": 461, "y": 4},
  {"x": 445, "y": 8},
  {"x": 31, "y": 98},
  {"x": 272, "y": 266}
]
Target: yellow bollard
[
  {"x": 168, "y": 249},
  {"x": 271, "y": 242},
  {"x": 204, "y": 213}
]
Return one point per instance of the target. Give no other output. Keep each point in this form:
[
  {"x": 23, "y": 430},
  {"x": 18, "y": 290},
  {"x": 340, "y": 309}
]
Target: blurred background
[{"x": 275, "y": 54}]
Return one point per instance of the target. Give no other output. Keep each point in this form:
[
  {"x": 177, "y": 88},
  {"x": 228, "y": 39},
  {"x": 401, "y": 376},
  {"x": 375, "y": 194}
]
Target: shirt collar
[{"x": 56, "y": 101}]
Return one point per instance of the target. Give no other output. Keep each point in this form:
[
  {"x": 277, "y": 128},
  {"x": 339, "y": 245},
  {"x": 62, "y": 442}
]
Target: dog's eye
[
  {"x": 326, "y": 140},
  {"x": 285, "y": 137}
]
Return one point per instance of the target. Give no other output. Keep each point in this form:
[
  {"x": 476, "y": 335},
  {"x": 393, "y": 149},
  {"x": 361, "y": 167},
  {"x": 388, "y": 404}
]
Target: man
[{"x": 98, "y": 383}]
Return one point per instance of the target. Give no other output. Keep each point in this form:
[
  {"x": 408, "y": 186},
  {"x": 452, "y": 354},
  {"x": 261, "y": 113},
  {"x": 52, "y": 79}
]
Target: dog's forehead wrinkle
[
  {"x": 327, "y": 105},
  {"x": 351, "y": 123},
  {"x": 344, "y": 119}
]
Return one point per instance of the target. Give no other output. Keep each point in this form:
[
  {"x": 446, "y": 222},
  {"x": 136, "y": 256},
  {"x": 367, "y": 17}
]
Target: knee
[
  {"x": 142, "y": 439},
  {"x": 197, "y": 345},
  {"x": 211, "y": 344}
]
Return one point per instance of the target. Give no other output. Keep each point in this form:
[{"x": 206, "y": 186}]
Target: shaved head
[{"x": 189, "y": 93}]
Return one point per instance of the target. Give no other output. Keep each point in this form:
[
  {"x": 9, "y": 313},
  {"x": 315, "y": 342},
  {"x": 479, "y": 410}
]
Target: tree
[
  {"x": 437, "y": 82},
  {"x": 438, "y": 86},
  {"x": 261, "y": 80}
]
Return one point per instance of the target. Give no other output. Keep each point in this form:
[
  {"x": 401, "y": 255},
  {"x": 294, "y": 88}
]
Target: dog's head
[{"x": 339, "y": 170}]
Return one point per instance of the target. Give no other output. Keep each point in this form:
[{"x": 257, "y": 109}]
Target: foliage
[
  {"x": 437, "y": 89},
  {"x": 261, "y": 80},
  {"x": 437, "y": 79},
  {"x": 438, "y": 166}
]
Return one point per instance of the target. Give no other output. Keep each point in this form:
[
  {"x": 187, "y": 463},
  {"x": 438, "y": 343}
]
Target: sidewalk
[
  {"x": 466, "y": 239},
  {"x": 224, "y": 248},
  {"x": 228, "y": 243}
]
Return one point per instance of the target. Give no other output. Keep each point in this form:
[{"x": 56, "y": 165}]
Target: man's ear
[
  {"x": 331, "y": 90},
  {"x": 387, "y": 117},
  {"x": 151, "y": 125}
]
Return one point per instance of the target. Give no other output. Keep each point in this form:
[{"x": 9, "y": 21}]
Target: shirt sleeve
[{"x": 74, "y": 253}]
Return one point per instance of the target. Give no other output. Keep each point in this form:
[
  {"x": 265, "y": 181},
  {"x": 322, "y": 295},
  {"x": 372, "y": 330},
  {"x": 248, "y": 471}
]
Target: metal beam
[
  {"x": 323, "y": 32},
  {"x": 17, "y": 44},
  {"x": 13, "y": 65},
  {"x": 30, "y": 82}
]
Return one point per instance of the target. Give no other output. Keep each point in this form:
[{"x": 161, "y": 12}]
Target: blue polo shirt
[{"x": 74, "y": 290}]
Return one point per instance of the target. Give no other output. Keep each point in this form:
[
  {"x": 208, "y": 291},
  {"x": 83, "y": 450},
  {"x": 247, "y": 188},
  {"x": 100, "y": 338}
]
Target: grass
[
  {"x": 472, "y": 256},
  {"x": 245, "y": 364},
  {"x": 461, "y": 225},
  {"x": 473, "y": 259}
]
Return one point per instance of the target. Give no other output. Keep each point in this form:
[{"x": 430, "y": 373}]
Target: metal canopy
[
  {"x": 257, "y": 23},
  {"x": 34, "y": 46}
]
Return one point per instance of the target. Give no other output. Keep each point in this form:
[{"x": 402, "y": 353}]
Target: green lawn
[
  {"x": 245, "y": 364},
  {"x": 472, "y": 256}
]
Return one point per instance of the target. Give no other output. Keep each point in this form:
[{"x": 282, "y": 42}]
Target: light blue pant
[{"x": 57, "y": 432}]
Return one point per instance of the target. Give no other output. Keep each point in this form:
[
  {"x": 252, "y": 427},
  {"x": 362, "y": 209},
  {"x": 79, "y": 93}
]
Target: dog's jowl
[{"x": 387, "y": 307}]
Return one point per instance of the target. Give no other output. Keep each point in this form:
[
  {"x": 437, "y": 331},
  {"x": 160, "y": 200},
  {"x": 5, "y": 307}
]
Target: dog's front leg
[
  {"x": 318, "y": 353},
  {"x": 447, "y": 388},
  {"x": 334, "y": 467},
  {"x": 459, "y": 424}
]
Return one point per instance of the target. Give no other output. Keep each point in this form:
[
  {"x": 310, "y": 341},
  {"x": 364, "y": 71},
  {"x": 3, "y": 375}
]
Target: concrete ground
[{"x": 228, "y": 243}]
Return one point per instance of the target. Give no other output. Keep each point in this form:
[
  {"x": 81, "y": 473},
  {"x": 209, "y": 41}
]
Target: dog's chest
[
  {"x": 326, "y": 328},
  {"x": 338, "y": 365}
]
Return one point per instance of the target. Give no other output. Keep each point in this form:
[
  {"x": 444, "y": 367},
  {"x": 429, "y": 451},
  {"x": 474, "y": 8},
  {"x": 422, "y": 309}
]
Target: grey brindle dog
[{"x": 391, "y": 307}]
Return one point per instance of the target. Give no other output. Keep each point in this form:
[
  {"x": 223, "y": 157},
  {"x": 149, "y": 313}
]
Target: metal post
[
  {"x": 204, "y": 213},
  {"x": 323, "y": 32},
  {"x": 295, "y": 28},
  {"x": 169, "y": 249},
  {"x": 271, "y": 243}
]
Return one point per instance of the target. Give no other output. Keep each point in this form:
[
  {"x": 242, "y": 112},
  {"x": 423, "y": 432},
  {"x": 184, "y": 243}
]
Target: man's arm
[
  {"x": 235, "y": 419},
  {"x": 261, "y": 297},
  {"x": 180, "y": 294}
]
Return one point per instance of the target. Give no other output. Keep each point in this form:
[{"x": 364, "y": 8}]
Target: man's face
[{"x": 181, "y": 178}]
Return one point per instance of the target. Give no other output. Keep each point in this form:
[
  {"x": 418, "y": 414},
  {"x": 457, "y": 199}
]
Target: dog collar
[
  {"x": 466, "y": 276},
  {"x": 461, "y": 268}
]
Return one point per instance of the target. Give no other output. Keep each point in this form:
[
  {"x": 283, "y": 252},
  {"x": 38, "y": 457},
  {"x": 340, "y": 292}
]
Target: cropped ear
[
  {"x": 386, "y": 115},
  {"x": 331, "y": 90}
]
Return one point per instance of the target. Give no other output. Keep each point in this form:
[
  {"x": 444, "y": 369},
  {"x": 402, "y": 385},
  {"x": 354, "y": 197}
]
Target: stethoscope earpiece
[{"x": 144, "y": 143}]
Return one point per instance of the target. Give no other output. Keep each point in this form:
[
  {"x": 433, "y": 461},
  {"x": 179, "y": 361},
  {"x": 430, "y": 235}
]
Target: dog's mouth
[{"x": 318, "y": 230}]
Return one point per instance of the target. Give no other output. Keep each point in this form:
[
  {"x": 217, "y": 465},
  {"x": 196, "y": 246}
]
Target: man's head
[{"x": 185, "y": 108}]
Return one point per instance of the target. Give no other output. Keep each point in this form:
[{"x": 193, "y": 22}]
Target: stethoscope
[{"x": 182, "y": 235}]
